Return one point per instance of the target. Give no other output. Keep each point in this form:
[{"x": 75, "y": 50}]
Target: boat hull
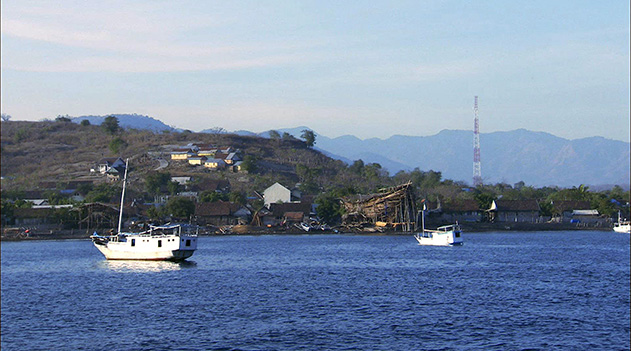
[
  {"x": 437, "y": 240},
  {"x": 623, "y": 228}
]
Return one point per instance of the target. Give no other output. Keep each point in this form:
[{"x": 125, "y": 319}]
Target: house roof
[
  {"x": 461, "y": 206},
  {"x": 109, "y": 160},
  {"x": 233, "y": 156},
  {"x": 568, "y": 206},
  {"x": 294, "y": 216},
  {"x": 221, "y": 155},
  {"x": 516, "y": 205},
  {"x": 182, "y": 151},
  {"x": 280, "y": 210},
  {"x": 585, "y": 213}
]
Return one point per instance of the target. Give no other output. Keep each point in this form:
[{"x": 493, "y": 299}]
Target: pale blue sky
[{"x": 367, "y": 68}]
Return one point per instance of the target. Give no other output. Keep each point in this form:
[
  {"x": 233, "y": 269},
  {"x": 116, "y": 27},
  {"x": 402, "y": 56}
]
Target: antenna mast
[{"x": 477, "y": 171}]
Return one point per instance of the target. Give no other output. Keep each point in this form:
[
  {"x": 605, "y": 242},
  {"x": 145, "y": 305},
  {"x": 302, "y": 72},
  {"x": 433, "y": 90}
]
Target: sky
[{"x": 365, "y": 68}]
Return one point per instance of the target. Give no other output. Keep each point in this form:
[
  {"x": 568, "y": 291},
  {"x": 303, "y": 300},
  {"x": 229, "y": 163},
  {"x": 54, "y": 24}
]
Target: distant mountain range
[{"x": 537, "y": 158}]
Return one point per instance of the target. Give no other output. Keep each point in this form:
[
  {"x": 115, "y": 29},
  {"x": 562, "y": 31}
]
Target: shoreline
[{"x": 250, "y": 230}]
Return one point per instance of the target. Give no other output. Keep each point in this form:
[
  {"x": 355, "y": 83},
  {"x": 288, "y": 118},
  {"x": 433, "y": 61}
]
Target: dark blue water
[{"x": 500, "y": 291}]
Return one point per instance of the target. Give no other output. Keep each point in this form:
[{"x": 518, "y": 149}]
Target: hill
[{"x": 34, "y": 152}]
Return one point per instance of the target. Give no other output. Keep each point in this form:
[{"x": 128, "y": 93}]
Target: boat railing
[{"x": 445, "y": 229}]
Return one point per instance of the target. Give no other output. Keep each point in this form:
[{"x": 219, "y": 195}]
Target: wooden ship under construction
[{"x": 391, "y": 208}]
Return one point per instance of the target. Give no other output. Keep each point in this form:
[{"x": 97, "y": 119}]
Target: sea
[{"x": 499, "y": 291}]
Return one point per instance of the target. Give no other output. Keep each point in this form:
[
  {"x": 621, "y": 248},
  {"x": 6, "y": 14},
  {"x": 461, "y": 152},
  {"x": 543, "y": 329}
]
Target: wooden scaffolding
[{"x": 393, "y": 207}]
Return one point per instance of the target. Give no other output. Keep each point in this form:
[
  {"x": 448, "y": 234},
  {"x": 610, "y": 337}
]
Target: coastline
[{"x": 71, "y": 234}]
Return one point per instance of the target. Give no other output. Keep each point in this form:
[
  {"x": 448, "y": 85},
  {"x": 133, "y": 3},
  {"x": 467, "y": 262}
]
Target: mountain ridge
[{"x": 535, "y": 157}]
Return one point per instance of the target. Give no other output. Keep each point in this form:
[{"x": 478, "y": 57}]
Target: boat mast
[{"x": 120, "y": 214}]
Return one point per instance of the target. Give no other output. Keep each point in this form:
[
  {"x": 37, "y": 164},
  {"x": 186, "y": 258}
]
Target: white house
[
  {"x": 278, "y": 193},
  {"x": 105, "y": 164}
]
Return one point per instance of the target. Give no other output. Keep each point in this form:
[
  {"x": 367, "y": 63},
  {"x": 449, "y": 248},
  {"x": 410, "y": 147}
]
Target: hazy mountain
[
  {"x": 129, "y": 121},
  {"x": 536, "y": 158}
]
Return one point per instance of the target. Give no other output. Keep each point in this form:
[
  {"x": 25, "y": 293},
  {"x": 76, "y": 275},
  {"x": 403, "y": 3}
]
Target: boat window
[
  {"x": 457, "y": 234},
  {"x": 133, "y": 242},
  {"x": 159, "y": 243},
  {"x": 188, "y": 242}
]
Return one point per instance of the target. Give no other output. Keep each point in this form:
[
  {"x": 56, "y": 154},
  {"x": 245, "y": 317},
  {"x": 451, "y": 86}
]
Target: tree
[
  {"x": 484, "y": 200},
  {"x": 249, "y": 163},
  {"x": 64, "y": 119},
  {"x": 110, "y": 125},
  {"x": 117, "y": 144},
  {"x": 329, "y": 207},
  {"x": 85, "y": 122},
  {"x": 102, "y": 193},
  {"x": 6, "y": 117},
  {"x": 155, "y": 181},
  {"x": 237, "y": 198},
  {"x": 309, "y": 137},
  {"x": 357, "y": 167},
  {"x": 273, "y": 134},
  {"x": 173, "y": 187},
  {"x": 180, "y": 207}
]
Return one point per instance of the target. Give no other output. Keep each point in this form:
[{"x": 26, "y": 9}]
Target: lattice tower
[{"x": 477, "y": 169}]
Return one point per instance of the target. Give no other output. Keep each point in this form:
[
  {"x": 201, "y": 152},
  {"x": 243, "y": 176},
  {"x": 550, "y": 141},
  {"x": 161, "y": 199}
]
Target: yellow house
[
  {"x": 197, "y": 160},
  {"x": 181, "y": 154},
  {"x": 207, "y": 152},
  {"x": 215, "y": 163},
  {"x": 237, "y": 167}
]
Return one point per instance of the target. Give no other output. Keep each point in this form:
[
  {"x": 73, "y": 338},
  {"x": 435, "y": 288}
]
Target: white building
[{"x": 278, "y": 193}]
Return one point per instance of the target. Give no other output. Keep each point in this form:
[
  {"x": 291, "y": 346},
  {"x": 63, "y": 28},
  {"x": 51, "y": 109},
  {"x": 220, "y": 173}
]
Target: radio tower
[{"x": 477, "y": 171}]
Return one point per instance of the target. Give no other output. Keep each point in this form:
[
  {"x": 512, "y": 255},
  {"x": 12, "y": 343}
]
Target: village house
[
  {"x": 278, "y": 193},
  {"x": 215, "y": 163},
  {"x": 238, "y": 167},
  {"x": 182, "y": 153},
  {"x": 207, "y": 151},
  {"x": 221, "y": 213},
  {"x": 290, "y": 212},
  {"x": 232, "y": 158},
  {"x": 587, "y": 217},
  {"x": 514, "y": 211},
  {"x": 197, "y": 160},
  {"x": 459, "y": 211},
  {"x": 182, "y": 180},
  {"x": 106, "y": 164},
  {"x": 563, "y": 211}
]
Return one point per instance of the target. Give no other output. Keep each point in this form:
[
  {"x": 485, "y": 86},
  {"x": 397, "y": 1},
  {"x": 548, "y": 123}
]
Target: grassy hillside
[{"x": 60, "y": 151}]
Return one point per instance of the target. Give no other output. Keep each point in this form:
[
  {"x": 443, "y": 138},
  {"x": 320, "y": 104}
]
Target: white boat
[
  {"x": 159, "y": 243},
  {"x": 622, "y": 226},
  {"x": 448, "y": 235}
]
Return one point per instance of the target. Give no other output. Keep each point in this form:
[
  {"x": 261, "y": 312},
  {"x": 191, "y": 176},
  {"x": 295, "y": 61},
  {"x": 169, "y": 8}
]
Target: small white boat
[
  {"x": 622, "y": 226},
  {"x": 448, "y": 235},
  {"x": 159, "y": 243}
]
